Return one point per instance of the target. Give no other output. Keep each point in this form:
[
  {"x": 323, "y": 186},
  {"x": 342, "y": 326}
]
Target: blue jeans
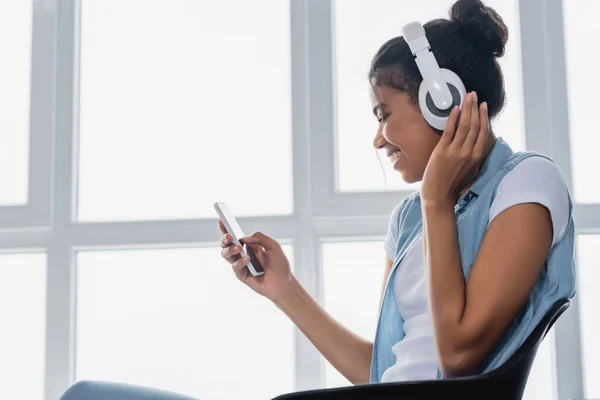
[{"x": 92, "y": 390}]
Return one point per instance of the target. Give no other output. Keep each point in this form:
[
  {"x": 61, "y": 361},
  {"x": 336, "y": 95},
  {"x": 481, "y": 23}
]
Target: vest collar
[{"x": 495, "y": 160}]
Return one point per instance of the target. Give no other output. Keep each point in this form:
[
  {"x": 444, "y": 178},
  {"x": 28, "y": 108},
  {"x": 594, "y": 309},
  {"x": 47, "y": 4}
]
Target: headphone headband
[{"x": 415, "y": 37}]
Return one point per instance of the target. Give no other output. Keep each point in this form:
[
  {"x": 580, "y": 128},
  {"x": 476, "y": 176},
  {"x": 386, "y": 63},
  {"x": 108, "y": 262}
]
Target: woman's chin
[{"x": 407, "y": 175}]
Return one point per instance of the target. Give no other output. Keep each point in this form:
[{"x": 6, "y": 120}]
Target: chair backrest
[
  {"x": 505, "y": 382},
  {"x": 515, "y": 371}
]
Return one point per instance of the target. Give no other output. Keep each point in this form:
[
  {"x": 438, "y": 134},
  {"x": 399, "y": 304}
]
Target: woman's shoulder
[
  {"x": 530, "y": 169},
  {"x": 535, "y": 179},
  {"x": 412, "y": 201},
  {"x": 525, "y": 159},
  {"x": 403, "y": 209}
]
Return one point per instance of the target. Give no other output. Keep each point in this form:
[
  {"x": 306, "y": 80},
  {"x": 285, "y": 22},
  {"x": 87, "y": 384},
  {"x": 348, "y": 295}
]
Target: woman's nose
[{"x": 379, "y": 140}]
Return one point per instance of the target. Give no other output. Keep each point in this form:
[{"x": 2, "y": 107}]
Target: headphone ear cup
[{"x": 434, "y": 116}]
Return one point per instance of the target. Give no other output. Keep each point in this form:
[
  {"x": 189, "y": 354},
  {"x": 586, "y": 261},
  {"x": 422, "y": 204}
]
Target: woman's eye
[{"x": 382, "y": 118}]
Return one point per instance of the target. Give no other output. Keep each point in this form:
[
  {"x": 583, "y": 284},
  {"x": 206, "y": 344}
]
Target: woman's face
[{"x": 403, "y": 132}]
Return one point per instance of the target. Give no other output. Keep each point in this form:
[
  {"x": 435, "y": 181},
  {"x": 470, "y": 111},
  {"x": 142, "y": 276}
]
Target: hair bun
[{"x": 481, "y": 25}]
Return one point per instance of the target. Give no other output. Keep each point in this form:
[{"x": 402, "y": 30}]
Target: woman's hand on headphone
[
  {"x": 277, "y": 278},
  {"x": 457, "y": 158}
]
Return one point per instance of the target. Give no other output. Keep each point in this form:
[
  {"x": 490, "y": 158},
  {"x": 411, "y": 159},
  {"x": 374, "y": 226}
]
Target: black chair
[{"x": 505, "y": 382}]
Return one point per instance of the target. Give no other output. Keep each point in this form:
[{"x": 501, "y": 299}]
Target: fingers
[
  {"x": 474, "y": 124},
  {"x": 261, "y": 239},
  {"x": 222, "y": 227},
  {"x": 230, "y": 251},
  {"x": 258, "y": 242},
  {"x": 240, "y": 264},
  {"x": 226, "y": 240},
  {"x": 250, "y": 240},
  {"x": 450, "y": 127},
  {"x": 465, "y": 121},
  {"x": 484, "y": 130}
]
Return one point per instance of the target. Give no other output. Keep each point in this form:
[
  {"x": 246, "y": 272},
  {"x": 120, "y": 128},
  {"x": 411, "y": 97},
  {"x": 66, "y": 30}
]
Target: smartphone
[{"x": 234, "y": 229}]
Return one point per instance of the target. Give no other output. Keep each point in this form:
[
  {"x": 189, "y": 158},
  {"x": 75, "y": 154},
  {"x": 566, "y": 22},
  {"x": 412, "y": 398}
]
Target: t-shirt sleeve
[
  {"x": 391, "y": 238},
  {"x": 535, "y": 180}
]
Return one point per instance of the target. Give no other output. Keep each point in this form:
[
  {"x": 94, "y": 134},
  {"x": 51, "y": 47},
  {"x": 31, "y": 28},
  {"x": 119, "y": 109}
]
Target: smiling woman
[
  {"x": 463, "y": 287},
  {"x": 446, "y": 325},
  {"x": 475, "y": 258}
]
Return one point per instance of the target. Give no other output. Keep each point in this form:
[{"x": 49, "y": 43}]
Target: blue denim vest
[{"x": 556, "y": 280}]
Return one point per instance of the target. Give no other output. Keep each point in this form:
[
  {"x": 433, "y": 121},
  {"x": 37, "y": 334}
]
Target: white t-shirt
[{"x": 533, "y": 180}]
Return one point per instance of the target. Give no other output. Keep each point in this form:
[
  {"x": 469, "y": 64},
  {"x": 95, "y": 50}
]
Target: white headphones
[{"x": 441, "y": 89}]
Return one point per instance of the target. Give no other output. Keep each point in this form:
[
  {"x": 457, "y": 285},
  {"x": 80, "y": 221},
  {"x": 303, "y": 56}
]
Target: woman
[
  {"x": 478, "y": 251},
  {"x": 474, "y": 258}
]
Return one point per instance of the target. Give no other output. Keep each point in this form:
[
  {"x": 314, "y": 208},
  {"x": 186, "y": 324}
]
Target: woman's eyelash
[{"x": 382, "y": 118}]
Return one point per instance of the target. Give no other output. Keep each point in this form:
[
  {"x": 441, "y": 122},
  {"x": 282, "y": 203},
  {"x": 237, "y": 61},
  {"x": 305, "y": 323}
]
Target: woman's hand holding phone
[
  {"x": 349, "y": 353},
  {"x": 277, "y": 279}
]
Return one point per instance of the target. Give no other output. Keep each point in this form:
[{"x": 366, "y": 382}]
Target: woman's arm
[
  {"x": 347, "y": 352},
  {"x": 469, "y": 318}
]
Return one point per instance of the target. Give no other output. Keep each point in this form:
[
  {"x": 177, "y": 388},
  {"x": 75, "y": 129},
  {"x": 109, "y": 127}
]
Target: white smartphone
[{"x": 234, "y": 229}]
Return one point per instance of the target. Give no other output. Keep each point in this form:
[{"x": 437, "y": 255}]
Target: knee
[{"x": 80, "y": 391}]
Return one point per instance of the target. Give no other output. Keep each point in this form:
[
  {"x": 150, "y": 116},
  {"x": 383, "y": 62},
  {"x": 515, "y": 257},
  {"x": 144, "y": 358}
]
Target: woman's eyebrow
[{"x": 377, "y": 107}]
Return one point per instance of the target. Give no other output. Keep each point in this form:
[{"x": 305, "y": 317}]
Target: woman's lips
[{"x": 395, "y": 156}]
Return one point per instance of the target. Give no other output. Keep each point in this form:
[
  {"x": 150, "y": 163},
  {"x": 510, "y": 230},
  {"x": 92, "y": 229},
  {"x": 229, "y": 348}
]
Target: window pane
[
  {"x": 15, "y": 69},
  {"x": 588, "y": 274},
  {"x": 360, "y": 29},
  {"x": 581, "y": 31},
  {"x": 541, "y": 384},
  {"x": 23, "y": 333},
  {"x": 352, "y": 279},
  {"x": 173, "y": 110},
  {"x": 178, "y": 319}
]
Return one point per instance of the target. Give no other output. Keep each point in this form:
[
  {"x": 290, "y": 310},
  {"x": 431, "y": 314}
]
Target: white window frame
[
  {"x": 547, "y": 131},
  {"x": 35, "y": 213},
  {"x": 321, "y": 213}
]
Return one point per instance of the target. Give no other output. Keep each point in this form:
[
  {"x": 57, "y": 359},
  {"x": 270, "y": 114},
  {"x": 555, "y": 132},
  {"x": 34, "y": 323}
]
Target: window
[
  {"x": 581, "y": 29},
  {"x": 588, "y": 279},
  {"x": 361, "y": 27},
  {"x": 22, "y": 337},
  {"x": 124, "y": 120},
  {"x": 352, "y": 279},
  {"x": 15, "y": 69},
  {"x": 176, "y": 118},
  {"x": 179, "y": 320},
  {"x": 541, "y": 383}
]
